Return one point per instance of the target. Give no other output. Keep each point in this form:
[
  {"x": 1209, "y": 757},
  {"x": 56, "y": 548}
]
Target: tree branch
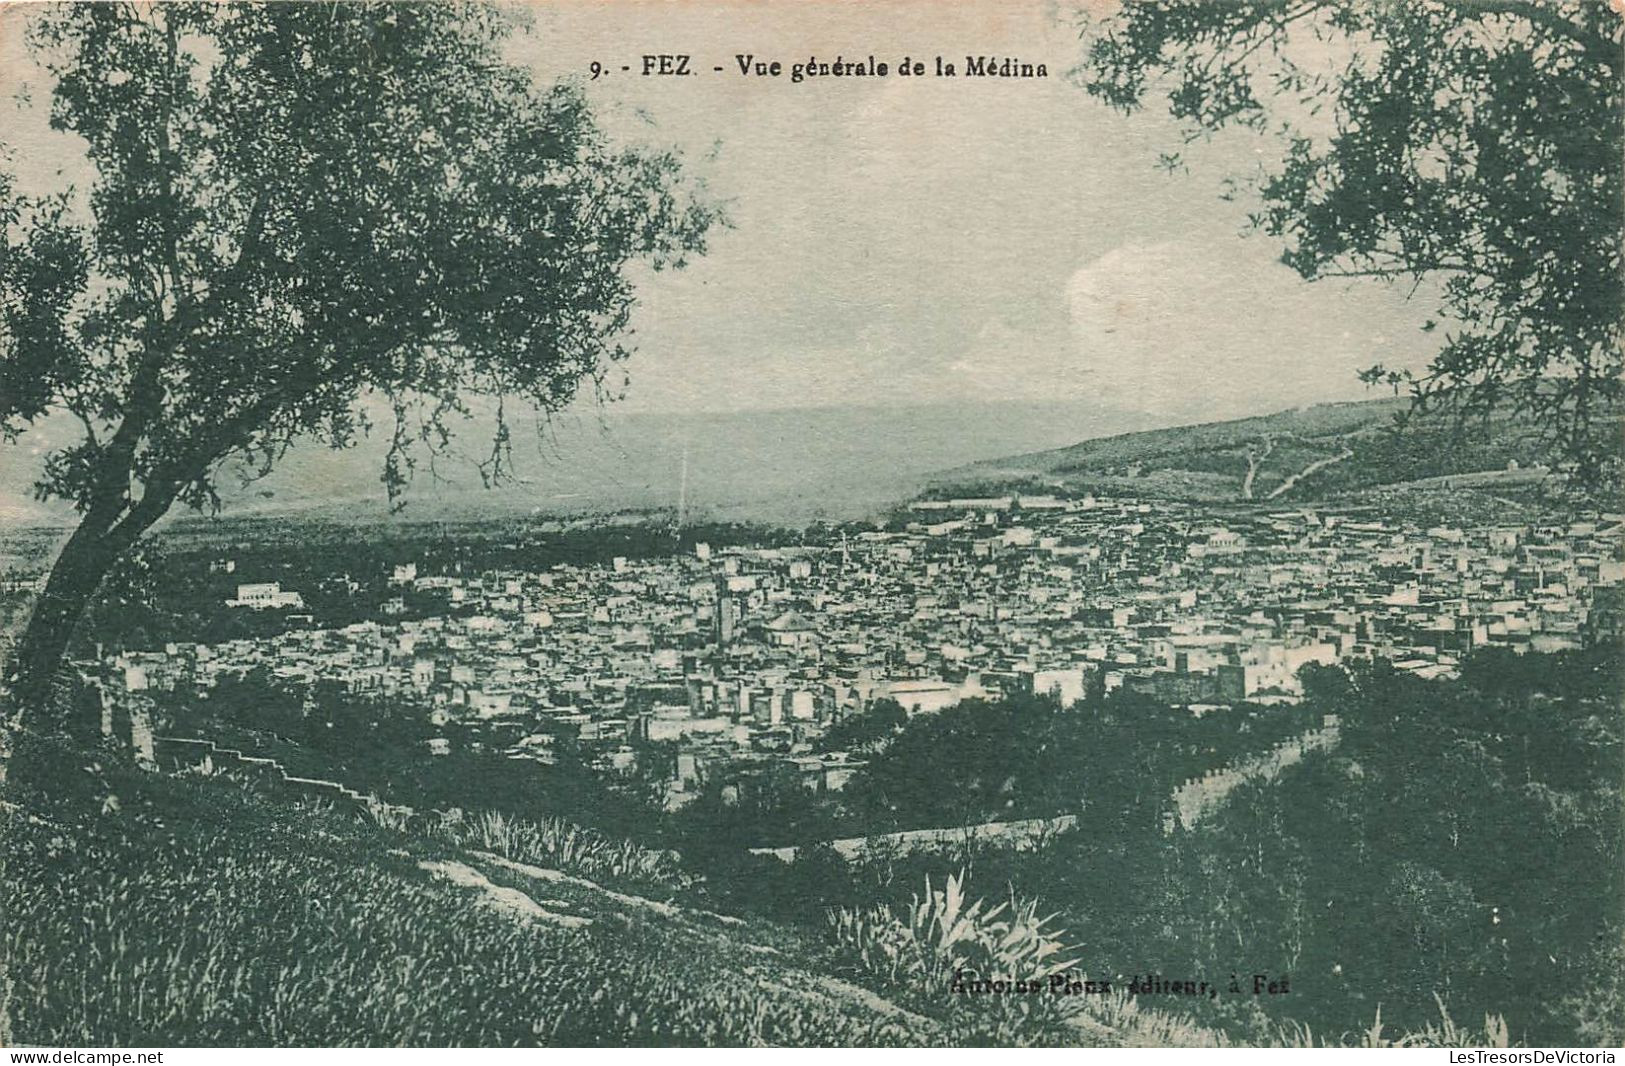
[{"x": 1537, "y": 14}]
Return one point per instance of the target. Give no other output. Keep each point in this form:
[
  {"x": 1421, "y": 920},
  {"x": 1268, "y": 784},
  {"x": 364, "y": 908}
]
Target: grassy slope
[
  {"x": 142, "y": 910},
  {"x": 191, "y": 912}
]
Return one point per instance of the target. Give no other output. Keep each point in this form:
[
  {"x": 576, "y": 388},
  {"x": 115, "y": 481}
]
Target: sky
[
  {"x": 936, "y": 240},
  {"x": 920, "y": 241},
  {"x": 926, "y": 240}
]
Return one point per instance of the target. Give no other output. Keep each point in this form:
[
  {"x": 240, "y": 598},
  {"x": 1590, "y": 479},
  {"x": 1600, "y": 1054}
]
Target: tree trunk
[{"x": 84, "y": 562}]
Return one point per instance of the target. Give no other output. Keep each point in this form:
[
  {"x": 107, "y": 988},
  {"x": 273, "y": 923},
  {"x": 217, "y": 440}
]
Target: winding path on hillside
[
  {"x": 1254, "y": 461},
  {"x": 1319, "y": 464}
]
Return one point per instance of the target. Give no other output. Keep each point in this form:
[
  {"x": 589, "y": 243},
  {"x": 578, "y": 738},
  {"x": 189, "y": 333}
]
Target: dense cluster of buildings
[{"x": 744, "y": 658}]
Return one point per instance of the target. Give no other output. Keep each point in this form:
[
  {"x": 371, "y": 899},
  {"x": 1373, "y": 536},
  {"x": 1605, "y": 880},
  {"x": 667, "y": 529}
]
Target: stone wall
[
  {"x": 126, "y": 720},
  {"x": 1198, "y": 797},
  {"x": 1019, "y": 835}
]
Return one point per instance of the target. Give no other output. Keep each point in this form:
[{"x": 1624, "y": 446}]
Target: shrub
[
  {"x": 945, "y": 944},
  {"x": 1444, "y": 1033},
  {"x": 963, "y": 935},
  {"x": 386, "y": 815},
  {"x": 556, "y": 843}
]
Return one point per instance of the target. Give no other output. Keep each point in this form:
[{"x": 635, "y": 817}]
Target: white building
[
  {"x": 923, "y": 696},
  {"x": 265, "y": 596}
]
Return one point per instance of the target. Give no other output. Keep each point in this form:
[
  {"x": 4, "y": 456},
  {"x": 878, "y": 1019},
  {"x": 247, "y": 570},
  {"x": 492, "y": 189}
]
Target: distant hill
[
  {"x": 1301, "y": 454},
  {"x": 789, "y": 466},
  {"x": 836, "y": 463}
]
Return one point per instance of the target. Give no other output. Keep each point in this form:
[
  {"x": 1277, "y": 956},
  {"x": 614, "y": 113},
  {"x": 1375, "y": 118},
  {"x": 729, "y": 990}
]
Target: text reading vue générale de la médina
[{"x": 815, "y": 67}]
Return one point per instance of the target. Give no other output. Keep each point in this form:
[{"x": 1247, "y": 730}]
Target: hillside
[
  {"x": 201, "y": 909},
  {"x": 1292, "y": 456},
  {"x": 197, "y": 909},
  {"x": 150, "y": 911}
]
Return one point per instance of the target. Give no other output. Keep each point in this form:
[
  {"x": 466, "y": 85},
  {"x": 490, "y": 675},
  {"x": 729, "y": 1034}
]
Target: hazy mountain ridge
[
  {"x": 797, "y": 465},
  {"x": 1293, "y": 455},
  {"x": 789, "y": 465}
]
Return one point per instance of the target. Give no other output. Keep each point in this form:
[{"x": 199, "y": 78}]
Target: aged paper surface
[{"x": 811, "y": 524}]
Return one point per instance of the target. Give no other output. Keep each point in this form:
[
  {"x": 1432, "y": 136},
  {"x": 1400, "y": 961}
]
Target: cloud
[
  {"x": 1006, "y": 361},
  {"x": 1216, "y": 328}
]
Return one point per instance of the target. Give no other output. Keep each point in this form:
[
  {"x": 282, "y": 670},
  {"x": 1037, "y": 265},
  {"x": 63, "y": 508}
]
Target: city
[{"x": 746, "y": 656}]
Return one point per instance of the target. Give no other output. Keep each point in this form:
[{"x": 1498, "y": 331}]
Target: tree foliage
[
  {"x": 293, "y": 204},
  {"x": 297, "y": 211},
  {"x": 1476, "y": 145}
]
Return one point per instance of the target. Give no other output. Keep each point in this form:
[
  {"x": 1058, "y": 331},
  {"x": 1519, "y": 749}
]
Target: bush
[
  {"x": 556, "y": 843},
  {"x": 945, "y": 949},
  {"x": 1444, "y": 1033}
]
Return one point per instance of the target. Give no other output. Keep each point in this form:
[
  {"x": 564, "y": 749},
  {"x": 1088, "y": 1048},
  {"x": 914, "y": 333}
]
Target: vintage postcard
[{"x": 812, "y": 524}]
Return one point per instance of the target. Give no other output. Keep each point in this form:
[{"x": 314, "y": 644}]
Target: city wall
[
  {"x": 126, "y": 719},
  {"x": 1022, "y": 834}
]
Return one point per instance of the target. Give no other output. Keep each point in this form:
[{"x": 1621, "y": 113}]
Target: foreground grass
[
  {"x": 144, "y": 910},
  {"x": 192, "y": 911},
  {"x": 945, "y": 930}
]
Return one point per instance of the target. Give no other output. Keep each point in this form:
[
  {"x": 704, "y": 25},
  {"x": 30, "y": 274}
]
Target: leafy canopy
[
  {"x": 1475, "y": 143},
  {"x": 298, "y": 205}
]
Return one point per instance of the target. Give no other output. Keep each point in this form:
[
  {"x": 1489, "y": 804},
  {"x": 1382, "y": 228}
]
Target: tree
[
  {"x": 1476, "y": 144},
  {"x": 868, "y": 730},
  {"x": 298, "y": 210}
]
